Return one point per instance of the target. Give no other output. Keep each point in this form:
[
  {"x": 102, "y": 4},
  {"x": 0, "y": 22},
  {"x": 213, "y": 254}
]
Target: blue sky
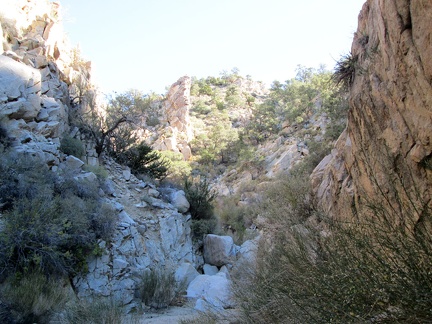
[{"x": 148, "y": 44}]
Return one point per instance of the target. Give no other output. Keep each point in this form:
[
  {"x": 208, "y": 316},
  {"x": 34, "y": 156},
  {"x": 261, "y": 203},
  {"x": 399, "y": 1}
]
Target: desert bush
[
  {"x": 94, "y": 312},
  {"x": 142, "y": 159},
  {"x": 200, "y": 197},
  {"x": 368, "y": 272},
  {"x": 157, "y": 289},
  {"x": 178, "y": 168},
  {"x": 22, "y": 178},
  {"x": 313, "y": 269},
  {"x": 33, "y": 298},
  {"x": 200, "y": 107},
  {"x": 233, "y": 217},
  {"x": 50, "y": 223},
  {"x": 201, "y": 227},
  {"x": 345, "y": 69},
  {"x": 98, "y": 170},
  {"x": 72, "y": 146},
  {"x": 5, "y": 140}
]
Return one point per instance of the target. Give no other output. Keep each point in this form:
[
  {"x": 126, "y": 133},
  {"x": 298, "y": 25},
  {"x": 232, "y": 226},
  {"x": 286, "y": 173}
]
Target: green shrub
[
  {"x": 157, "y": 289},
  {"x": 50, "y": 223},
  {"x": 345, "y": 69},
  {"x": 98, "y": 170},
  {"x": 201, "y": 227},
  {"x": 370, "y": 272},
  {"x": 178, "y": 168},
  {"x": 201, "y": 108},
  {"x": 143, "y": 160},
  {"x": 93, "y": 312},
  {"x": 233, "y": 217},
  {"x": 200, "y": 197},
  {"x": 312, "y": 269},
  {"x": 5, "y": 140},
  {"x": 72, "y": 146},
  {"x": 33, "y": 298}
]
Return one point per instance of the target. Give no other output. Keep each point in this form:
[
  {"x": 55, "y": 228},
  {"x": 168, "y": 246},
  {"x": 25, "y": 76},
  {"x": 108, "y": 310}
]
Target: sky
[{"x": 149, "y": 44}]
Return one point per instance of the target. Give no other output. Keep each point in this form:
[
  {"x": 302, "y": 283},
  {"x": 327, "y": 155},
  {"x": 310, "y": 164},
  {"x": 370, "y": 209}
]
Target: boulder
[
  {"x": 214, "y": 290},
  {"x": 248, "y": 251},
  {"x": 185, "y": 274},
  {"x": 219, "y": 250},
  {"x": 179, "y": 201},
  {"x": 72, "y": 163},
  {"x": 210, "y": 270},
  {"x": 16, "y": 79}
]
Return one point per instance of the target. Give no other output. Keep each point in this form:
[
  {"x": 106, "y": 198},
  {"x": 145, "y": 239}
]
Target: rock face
[
  {"x": 150, "y": 235},
  {"x": 384, "y": 155},
  {"x": 176, "y": 113},
  {"x": 35, "y": 72}
]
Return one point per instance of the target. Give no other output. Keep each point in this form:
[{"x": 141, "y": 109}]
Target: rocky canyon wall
[{"x": 384, "y": 155}]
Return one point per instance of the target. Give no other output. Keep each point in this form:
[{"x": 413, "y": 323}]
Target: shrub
[
  {"x": 143, "y": 160},
  {"x": 310, "y": 269},
  {"x": 367, "y": 272},
  {"x": 98, "y": 170},
  {"x": 5, "y": 141},
  {"x": 72, "y": 146},
  {"x": 178, "y": 167},
  {"x": 50, "y": 224},
  {"x": 345, "y": 69},
  {"x": 201, "y": 227},
  {"x": 30, "y": 299},
  {"x": 200, "y": 197},
  {"x": 233, "y": 217},
  {"x": 157, "y": 289},
  {"x": 201, "y": 108},
  {"x": 94, "y": 312}
]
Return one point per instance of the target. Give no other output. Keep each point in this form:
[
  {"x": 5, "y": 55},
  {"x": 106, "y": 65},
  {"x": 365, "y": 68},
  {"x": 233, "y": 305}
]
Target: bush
[
  {"x": 50, "y": 224},
  {"x": 345, "y": 69},
  {"x": 31, "y": 299},
  {"x": 98, "y": 170},
  {"x": 178, "y": 168},
  {"x": 361, "y": 273},
  {"x": 233, "y": 217},
  {"x": 314, "y": 269},
  {"x": 5, "y": 141},
  {"x": 200, "y": 197},
  {"x": 201, "y": 227},
  {"x": 72, "y": 146},
  {"x": 94, "y": 312},
  {"x": 157, "y": 289},
  {"x": 143, "y": 160}
]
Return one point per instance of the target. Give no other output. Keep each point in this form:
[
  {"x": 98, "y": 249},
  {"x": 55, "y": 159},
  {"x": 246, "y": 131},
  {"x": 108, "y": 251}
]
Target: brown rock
[{"x": 379, "y": 159}]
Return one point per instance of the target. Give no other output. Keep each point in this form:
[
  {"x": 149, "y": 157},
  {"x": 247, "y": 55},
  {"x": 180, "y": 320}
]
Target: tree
[
  {"x": 264, "y": 123},
  {"x": 216, "y": 143},
  {"x": 112, "y": 125},
  {"x": 143, "y": 160},
  {"x": 200, "y": 196}
]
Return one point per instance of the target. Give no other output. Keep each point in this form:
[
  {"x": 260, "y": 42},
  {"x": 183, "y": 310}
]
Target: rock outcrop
[
  {"x": 178, "y": 132},
  {"x": 36, "y": 73},
  {"x": 151, "y": 235},
  {"x": 36, "y": 69},
  {"x": 384, "y": 155}
]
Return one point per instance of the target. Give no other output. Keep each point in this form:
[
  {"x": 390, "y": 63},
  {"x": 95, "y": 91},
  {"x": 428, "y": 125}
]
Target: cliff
[{"x": 383, "y": 158}]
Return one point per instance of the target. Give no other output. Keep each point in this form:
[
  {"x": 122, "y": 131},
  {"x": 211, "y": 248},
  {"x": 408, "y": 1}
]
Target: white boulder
[
  {"x": 215, "y": 290},
  {"x": 185, "y": 274},
  {"x": 179, "y": 201},
  {"x": 219, "y": 250}
]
